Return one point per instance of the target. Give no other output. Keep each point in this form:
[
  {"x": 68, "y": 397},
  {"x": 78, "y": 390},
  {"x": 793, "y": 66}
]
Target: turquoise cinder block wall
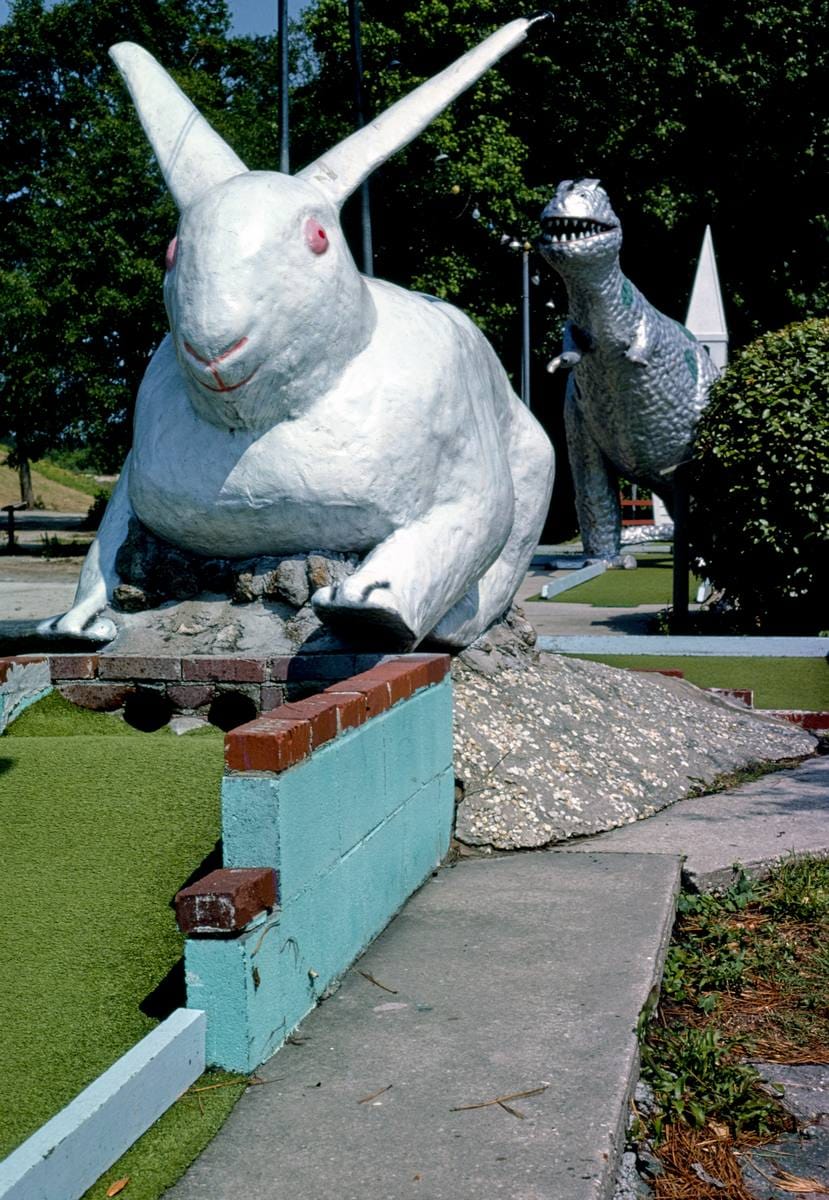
[{"x": 353, "y": 831}]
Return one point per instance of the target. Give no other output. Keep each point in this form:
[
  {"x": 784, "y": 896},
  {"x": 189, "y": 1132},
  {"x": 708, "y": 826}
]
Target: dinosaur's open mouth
[{"x": 573, "y": 229}]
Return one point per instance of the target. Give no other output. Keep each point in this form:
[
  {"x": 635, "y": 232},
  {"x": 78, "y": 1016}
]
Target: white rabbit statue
[{"x": 296, "y": 404}]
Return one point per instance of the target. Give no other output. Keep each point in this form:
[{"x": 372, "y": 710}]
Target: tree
[{"x": 87, "y": 217}]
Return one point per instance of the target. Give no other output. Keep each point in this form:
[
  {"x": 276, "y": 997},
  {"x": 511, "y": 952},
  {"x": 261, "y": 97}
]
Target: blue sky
[
  {"x": 258, "y": 16},
  {"x": 249, "y": 16}
]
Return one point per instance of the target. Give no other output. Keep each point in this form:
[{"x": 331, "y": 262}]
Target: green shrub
[
  {"x": 97, "y": 508},
  {"x": 81, "y": 459},
  {"x": 760, "y": 520}
]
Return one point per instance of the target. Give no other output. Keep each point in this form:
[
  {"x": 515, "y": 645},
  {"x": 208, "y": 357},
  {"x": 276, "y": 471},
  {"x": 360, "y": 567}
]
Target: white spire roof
[{"x": 706, "y": 315}]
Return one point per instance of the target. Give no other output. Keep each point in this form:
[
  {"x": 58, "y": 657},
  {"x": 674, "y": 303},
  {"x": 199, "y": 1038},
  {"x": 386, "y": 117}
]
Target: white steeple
[{"x": 706, "y": 315}]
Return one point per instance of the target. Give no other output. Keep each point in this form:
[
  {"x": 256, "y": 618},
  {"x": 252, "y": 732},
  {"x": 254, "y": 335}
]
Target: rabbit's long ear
[
  {"x": 342, "y": 169},
  {"x": 191, "y": 155}
]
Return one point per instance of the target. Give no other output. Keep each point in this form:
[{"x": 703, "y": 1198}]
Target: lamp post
[
  {"x": 359, "y": 121},
  {"x": 284, "y": 133},
  {"x": 525, "y": 248},
  {"x": 525, "y": 323},
  {"x": 513, "y": 243}
]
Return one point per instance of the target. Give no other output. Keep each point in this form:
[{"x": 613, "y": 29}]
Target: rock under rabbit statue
[{"x": 297, "y": 405}]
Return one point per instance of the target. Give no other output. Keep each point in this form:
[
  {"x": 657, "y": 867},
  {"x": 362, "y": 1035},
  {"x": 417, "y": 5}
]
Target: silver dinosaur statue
[{"x": 639, "y": 379}]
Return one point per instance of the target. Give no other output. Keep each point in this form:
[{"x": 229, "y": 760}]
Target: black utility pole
[
  {"x": 359, "y": 121},
  {"x": 284, "y": 132},
  {"x": 681, "y": 550},
  {"x": 525, "y": 323}
]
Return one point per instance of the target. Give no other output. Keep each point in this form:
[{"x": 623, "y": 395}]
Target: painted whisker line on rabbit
[{"x": 224, "y": 387}]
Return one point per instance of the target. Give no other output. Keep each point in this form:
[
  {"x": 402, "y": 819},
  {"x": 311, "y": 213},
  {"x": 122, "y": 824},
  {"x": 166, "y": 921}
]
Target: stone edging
[{"x": 104, "y": 682}]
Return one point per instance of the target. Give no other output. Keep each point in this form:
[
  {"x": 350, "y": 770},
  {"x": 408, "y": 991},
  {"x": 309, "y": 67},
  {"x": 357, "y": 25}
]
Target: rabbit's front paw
[
  {"x": 77, "y": 624},
  {"x": 364, "y": 611}
]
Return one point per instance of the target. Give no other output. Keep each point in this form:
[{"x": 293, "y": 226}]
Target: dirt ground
[{"x": 52, "y": 496}]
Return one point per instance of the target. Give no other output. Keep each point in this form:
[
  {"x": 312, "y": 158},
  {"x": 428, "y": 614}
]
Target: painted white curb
[
  {"x": 691, "y": 646},
  {"x": 563, "y": 584},
  {"x": 74, "y": 1148}
]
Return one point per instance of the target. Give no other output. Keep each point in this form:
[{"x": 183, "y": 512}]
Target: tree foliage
[
  {"x": 87, "y": 217},
  {"x": 760, "y": 521},
  {"x": 691, "y": 113}
]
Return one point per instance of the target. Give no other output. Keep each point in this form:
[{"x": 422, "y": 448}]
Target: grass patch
[
  {"x": 776, "y": 682},
  {"x": 164, "y": 1153},
  {"x": 747, "y": 974},
  {"x": 76, "y": 480},
  {"x": 102, "y": 825},
  {"x": 650, "y": 583}
]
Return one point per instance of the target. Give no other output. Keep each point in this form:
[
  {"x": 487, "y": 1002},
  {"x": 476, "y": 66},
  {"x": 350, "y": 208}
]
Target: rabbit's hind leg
[
  {"x": 407, "y": 582},
  {"x": 532, "y": 466}
]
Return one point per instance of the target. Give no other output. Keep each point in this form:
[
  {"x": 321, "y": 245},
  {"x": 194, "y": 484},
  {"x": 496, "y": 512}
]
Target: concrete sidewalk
[
  {"x": 757, "y": 825},
  {"x": 552, "y": 618},
  {"x": 501, "y": 976}
]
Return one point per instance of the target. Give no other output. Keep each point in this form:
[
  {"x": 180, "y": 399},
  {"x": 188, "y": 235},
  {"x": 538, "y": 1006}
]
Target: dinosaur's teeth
[{"x": 574, "y": 229}]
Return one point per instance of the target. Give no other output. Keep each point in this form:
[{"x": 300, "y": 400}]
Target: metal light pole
[
  {"x": 359, "y": 121},
  {"x": 682, "y": 562},
  {"x": 525, "y": 323},
  {"x": 525, "y": 248},
  {"x": 282, "y": 39}
]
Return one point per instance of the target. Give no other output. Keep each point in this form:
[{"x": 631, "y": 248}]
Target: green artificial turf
[
  {"x": 166, "y": 1150},
  {"x": 776, "y": 682},
  {"x": 650, "y": 583},
  {"x": 101, "y": 826}
]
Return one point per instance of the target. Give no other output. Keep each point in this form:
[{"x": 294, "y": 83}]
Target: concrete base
[
  {"x": 499, "y": 977},
  {"x": 756, "y": 825}
]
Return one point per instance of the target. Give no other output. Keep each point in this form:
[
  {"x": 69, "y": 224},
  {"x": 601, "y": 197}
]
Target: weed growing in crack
[{"x": 746, "y": 975}]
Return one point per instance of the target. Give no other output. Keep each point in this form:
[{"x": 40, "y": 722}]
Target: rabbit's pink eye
[
  {"x": 170, "y": 256},
  {"x": 316, "y": 237}
]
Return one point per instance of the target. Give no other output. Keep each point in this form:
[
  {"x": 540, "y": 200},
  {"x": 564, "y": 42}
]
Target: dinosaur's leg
[
  {"x": 411, "y": 579},
  {"x": 98, "y": 575},
  {"x": 597, "y": 492},
  {"x": 532, "y": 466}
]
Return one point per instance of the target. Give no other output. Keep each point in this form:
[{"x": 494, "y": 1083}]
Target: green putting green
[
  {"x": 776, "y": 682},
  {"x": 102, "y": 825},
  {"x": 650, "y": 583}
]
